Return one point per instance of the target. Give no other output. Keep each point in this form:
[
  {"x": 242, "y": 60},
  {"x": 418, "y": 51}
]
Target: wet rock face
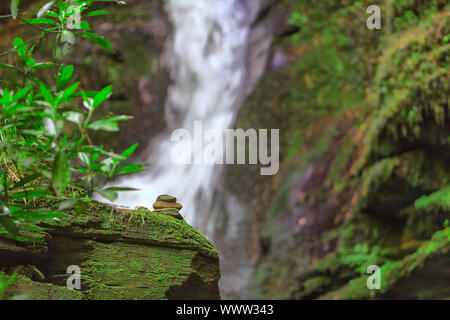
[
  {"x": 122, "y": 254},
  {"x": 268, "y": 24},
  {"x": 365, "y": 186}
]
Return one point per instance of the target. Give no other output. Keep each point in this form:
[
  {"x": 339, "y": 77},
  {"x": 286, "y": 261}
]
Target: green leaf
[
  {"x": 20, "y": 46},
  {"x": 14, "y": 8},
  {"x": 85, "y": 158},
  {"x": 6, "y": 284},
  {"x": 99, "y": 40},
  {"x": 102, "y": 96},
  {"x": 68, "y": 93},
  {"x": 26, "y": 180},
  {"x": 96, "y": 149},
  {"x": 129, "y": 169},
  {"x": 108, "y": 124},
  {"x": 84, "y": 25},
  {"x": 105, "y": 125},
  {"x": 129, "y": 151},
  {"x": 120, "y": 118},
  {"x": 96, "y": 13},
  {"x": 30, "y": 62},
  {"x": 40, "y": 21},
  {"x": 9, "y": 225},
  {"x": 11, "y": 279},
  {"x": 45, "y": 65},
  {"x": 66, "y": 72},
  {"x": 74, "y": 116},
  {"x": 51, "y": 14},
  {"x": 64, "y": 76},
  {"x": 87, "y": 94},
  {"x": 111, "y": 193},
  {"x": 60, "y": 173},
  {"x": 46, "y": 93},
  {"x": 7, "y": 66},
  {"x": 22, "y": 93}
]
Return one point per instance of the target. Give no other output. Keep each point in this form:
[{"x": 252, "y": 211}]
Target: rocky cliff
[{"x": 364, "y": 119}]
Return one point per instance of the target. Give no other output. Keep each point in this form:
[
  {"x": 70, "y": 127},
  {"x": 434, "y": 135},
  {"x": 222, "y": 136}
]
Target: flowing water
[{"x": 206, "y": 56}]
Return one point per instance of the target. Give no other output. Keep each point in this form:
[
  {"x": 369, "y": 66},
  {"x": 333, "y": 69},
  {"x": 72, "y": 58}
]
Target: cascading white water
[{"x": 206, "y": 57}]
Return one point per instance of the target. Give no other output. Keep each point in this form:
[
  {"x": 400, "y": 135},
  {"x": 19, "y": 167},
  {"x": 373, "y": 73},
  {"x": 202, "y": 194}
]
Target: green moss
[
  {"x": 154, "y": 269},
  {"x": 31, "y": 290},
  {"x": 340, "y": 164},
  {"x": 438, "y": 200},
  {"x": 106, "y": 222},
  {"x": 385, "y": 163},
  {"x": 128, "y": 254},
  {"x": 411, "y": 82},
  {"x": 317, "y": 284},
  {"x": 393, "y": 271}
]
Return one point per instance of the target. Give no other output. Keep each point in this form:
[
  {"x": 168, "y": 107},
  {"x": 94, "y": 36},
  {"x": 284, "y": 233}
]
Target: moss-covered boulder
[{"x": 122, "y": 254}]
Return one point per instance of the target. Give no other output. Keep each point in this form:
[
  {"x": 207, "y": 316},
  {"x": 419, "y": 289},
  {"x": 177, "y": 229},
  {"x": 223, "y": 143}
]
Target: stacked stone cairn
[{"x": 168, "y": 205}]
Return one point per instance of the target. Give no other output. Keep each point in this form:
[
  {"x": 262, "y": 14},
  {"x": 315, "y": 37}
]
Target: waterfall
[{"x": 206, "y": 56}]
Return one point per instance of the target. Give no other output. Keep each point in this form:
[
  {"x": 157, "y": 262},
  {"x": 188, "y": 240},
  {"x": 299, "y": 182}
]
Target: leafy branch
[{"x": 45, "y": 125}]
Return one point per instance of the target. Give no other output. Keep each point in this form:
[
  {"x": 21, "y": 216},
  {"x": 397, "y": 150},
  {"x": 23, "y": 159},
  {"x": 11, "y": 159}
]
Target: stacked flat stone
[{"x": 168, "y": 205}]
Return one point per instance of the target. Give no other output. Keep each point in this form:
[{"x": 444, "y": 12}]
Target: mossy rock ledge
[{"x": 122, "y": 254}]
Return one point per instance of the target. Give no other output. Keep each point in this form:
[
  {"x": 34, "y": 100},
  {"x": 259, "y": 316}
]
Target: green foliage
[
  {"x": 5, "y": 284},
  {"x": 439, "y": 199},
  {"x": 390, "y": 78},
  {"x": 361, "y": 256},
  {"x": 409, "y": 13},
  {"x": 45, "y": 124}
]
